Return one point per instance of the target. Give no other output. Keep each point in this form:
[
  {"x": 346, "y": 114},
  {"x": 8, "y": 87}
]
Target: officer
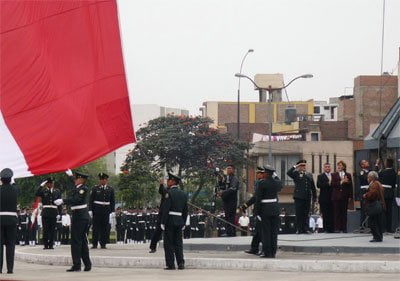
[
  {"x": 8, "y": 218},
  {"x": 120, "y": 226},
  {"x": 23, "y": 225},
  {"x": 80, "y": 221},
  {"x": 158, "y": 231},
  {"x": 50, "y": 211},
  {"x": 256, "y": 240},
  {"x": 304, "y": 190},
  {"x": 267, "y": 211},
  {"x": 387, "y": 177},
  {"x": 229, "y": 195},
  {"x": 173, "y": 218},
  {"x": 101, "y": 204},
  {"x": 362, "y": 186}
]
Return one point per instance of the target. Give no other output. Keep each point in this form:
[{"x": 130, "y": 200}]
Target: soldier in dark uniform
[
  {"x": 78, "y": 201},
  {"x": 8, "y": 218},
  {"x": 229, "y": 186},
  {"x": 303, "y": 192},
  {"x": 140, "y": 226},
  {"x": 387, "y": 177},
  {"x": 120, "y": 226},
  {"x": 362, "y": 187},
  {"x": 256, "y": 240},
  {"x": 324, "y": 182},
  {"x": 102, "y": 204},
  {"x": 158, "y": 231},
  {"x": 173, "y": 218},
  {"x": 267, "y": 210},
  {"x": 50, "y": 211},
  {"x": 23, "y": 224}
]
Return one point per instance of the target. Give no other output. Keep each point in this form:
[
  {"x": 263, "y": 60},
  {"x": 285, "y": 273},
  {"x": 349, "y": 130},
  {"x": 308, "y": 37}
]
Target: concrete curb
[{"x": 349, "y": 266}]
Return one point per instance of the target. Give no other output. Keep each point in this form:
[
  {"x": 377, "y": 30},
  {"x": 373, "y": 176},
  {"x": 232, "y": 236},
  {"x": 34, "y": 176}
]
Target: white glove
[
  {"x": 58, "y": 202},
  {"x": 43, "y": 183},
  {"x": 58, "y": 217},
  {"x": 69, "y": 172},
  {"x": 112, "y": 214},
  {"x": 90, "y": 213},
  {"x": 259, "y": 218},
  {"x": 162, "y": 227},
  {"x": 183, "y": 228}
]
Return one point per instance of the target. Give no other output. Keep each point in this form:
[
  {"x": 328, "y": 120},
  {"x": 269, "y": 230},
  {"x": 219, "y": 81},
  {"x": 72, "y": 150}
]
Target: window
[
  {"x": 282, "y": 163},
  {"x": 320, "y": 164},
  {"x": 317, "y": 109},
  {"x": 333, "y": 112},
  {"x": 312, "y": 164},
  {"x": 326, "y": 107},
  {"x": 314, "y": 136}
]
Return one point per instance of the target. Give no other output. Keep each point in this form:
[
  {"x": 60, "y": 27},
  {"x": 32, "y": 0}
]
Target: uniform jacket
[
  {"x": 48, "y": 196},
  {"x": 252, "y": 200},
  {"x": 375, "y": 192},
  {"x": 175, "y": 201},
  {"x": 8, "y": 203},
  {"x": 388, "y": 177},
  {"x": 325, "y": 188},
  {"x": 102, "y": 194},
  {"x": 304, "y": 185},
  {"x": 230, "y": 193},
  {"x": 267, "y": 189},
  {"x": 79, "y": 196},
  {"x": 341, "y": 191}
]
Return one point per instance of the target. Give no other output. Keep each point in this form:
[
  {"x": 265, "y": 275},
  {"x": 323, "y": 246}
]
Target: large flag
[{"x": 63, "y": 96}]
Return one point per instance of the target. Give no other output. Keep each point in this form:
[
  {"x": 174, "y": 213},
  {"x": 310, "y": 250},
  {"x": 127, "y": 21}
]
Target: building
[
  {"x": 142, "y": 113},
  {"x": 325, "y": 110}
]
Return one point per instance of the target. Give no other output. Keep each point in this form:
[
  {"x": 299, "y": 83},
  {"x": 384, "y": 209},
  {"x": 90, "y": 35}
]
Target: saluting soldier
[
  {"x": 387, "y": 177},
  {"x": 78, "y": 201},
  {"x": 362, "y": 186},
  {"x": 8, "y": 219},
  {"x": 158, "y": 231},
  {"x": 50, "y": 212},
  {"x": 173, "y": 218},
  {"x": 256, "y": 240},
  {"x": 304, "y": 190},
  {"x": 101, "y": 204},
  {"x": 267, "y": 211}
]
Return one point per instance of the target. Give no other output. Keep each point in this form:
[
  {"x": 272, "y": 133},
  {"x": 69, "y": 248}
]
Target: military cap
[
  {"x": 269, "y": 169},
  {"x": 81, "y": 175},
  {"x": 6, "y": 173},
  {"x": 173, "y": 177},
  {"x": 103, "y": 176},
  {"x": 301, "y": 162},
  {"x": 260, "y": 170},
  {"x": 50, "y": 179}
]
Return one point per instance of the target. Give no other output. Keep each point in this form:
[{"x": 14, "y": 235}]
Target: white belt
[
  {"x": 141, "y": 221},
  {"x": 269, "y": 200},
  {"x": 101, "y": 203},
  {"x": 175, "y": 213},
  {"x": 202, "y": 222},
  {"x": 24, "y": 222},
  {"x": 364, "y": 186},
  {"x": 49, "y": 206},
  {"x": 386, "y": 186},
  {"x": 8, "y": 214},
  {"x": 78, "y": 207}
]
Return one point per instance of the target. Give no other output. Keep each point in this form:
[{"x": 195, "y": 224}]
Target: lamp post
[
  {"x": 238, "y": 92},
  {"x": 240, "y": 75}
]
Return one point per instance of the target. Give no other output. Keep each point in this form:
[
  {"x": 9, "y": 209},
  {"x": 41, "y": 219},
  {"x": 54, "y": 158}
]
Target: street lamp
[
  {"x": 240, "y": 75},
  {"x": 238, "y": 102}
]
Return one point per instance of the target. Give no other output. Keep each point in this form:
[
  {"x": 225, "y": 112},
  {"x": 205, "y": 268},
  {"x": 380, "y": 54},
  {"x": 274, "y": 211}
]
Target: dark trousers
[
  {"x": 100, "y": 229},
  {"x": 24, "y": 233},
  {"x": 256, "y": 240},
  {"x": 65, "y": 235},
  {"x": 156, "y": 237},
  {"x": 120, "y": 233},
  {"x": 79, "y": 243},
  {"x": 327, "y": 215},
  {"x": 340, "y": 215},
  {"x": 375, "y": 223},
  {"x": 302, "y": 208},
  {"x": 7, "y": 239},
  {"x": 362, "y": 212},
  {"x": 388, "y": 215},
  {"x": 244, "y": 232},
  {"x": 270, "y": 229},
  {"x": 230, "y": 217},
  {"x": 173, "y": 245},
  {"x": 49, "y": 228}
]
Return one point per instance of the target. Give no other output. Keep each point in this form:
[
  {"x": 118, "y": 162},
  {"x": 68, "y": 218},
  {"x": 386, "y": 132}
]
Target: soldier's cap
[
  {"x": 6, "y": 173},
  {"x": 268, "y": 168},
  {"x": 171, "y": 176},
  {"x": 50, "y": 180},
  {"x": 260, "y": 170},
  {"x": 79, "y": 175},
  {"x": 103, "y": 176},
  {"x": 301, "y": 162}
]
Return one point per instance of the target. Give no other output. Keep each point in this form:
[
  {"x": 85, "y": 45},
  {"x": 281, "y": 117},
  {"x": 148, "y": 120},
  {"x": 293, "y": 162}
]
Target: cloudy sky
[{"x": 180, "y": 53}]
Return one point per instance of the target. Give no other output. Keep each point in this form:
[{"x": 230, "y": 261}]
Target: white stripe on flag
[{"x": 10, "y": 154}]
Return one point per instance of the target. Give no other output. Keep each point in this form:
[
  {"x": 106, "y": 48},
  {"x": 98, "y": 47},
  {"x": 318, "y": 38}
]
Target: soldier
[
  {"x": 362, "y": 187},
  {"x": 50, "y": 212},
  {"x": 23, "y": 224},
  {"x": 229, "y": 195},
  {"x": 120, "y": 226},
  {"x": 8, "y": 219},
  {"x": 80, "y": 221},
  {"x": 141, "y": 226},
  {"x": 267, "y": 211},
  {"x": 304, "y": 190},
  {"x": 324, "y": 182},
  {"x": 158, "y": 231},
  {"x": 256, "y": 240},
  {"x": 173, "y": 219},
  {"x": 101, "y": 204},
  {"x": 387, "y": 177}
]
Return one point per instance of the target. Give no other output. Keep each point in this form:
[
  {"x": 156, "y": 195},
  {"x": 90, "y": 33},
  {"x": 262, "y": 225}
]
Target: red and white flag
[{"x": 63, "y": 97}]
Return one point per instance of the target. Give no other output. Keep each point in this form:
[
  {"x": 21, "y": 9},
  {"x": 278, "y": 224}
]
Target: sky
[{"x": 180, "y": 53}]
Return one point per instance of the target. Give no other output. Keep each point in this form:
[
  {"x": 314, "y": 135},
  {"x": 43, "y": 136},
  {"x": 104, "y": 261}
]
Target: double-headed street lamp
[{"x": 270, "y": 89}]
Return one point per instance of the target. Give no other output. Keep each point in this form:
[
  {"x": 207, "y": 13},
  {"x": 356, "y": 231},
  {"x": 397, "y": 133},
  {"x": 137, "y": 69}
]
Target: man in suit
[
  {"x": 304, "y": 190},
  {"x": 50, "y": 211},
  {"x": 8, "y": 219},
  {"x": 173, "y": 218},
  {"x": 101, "y": 204},
  {"x": 229, "y": 194},
  {"x": 387, "y": 177},
  {"x": 324, "y": 182}
]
